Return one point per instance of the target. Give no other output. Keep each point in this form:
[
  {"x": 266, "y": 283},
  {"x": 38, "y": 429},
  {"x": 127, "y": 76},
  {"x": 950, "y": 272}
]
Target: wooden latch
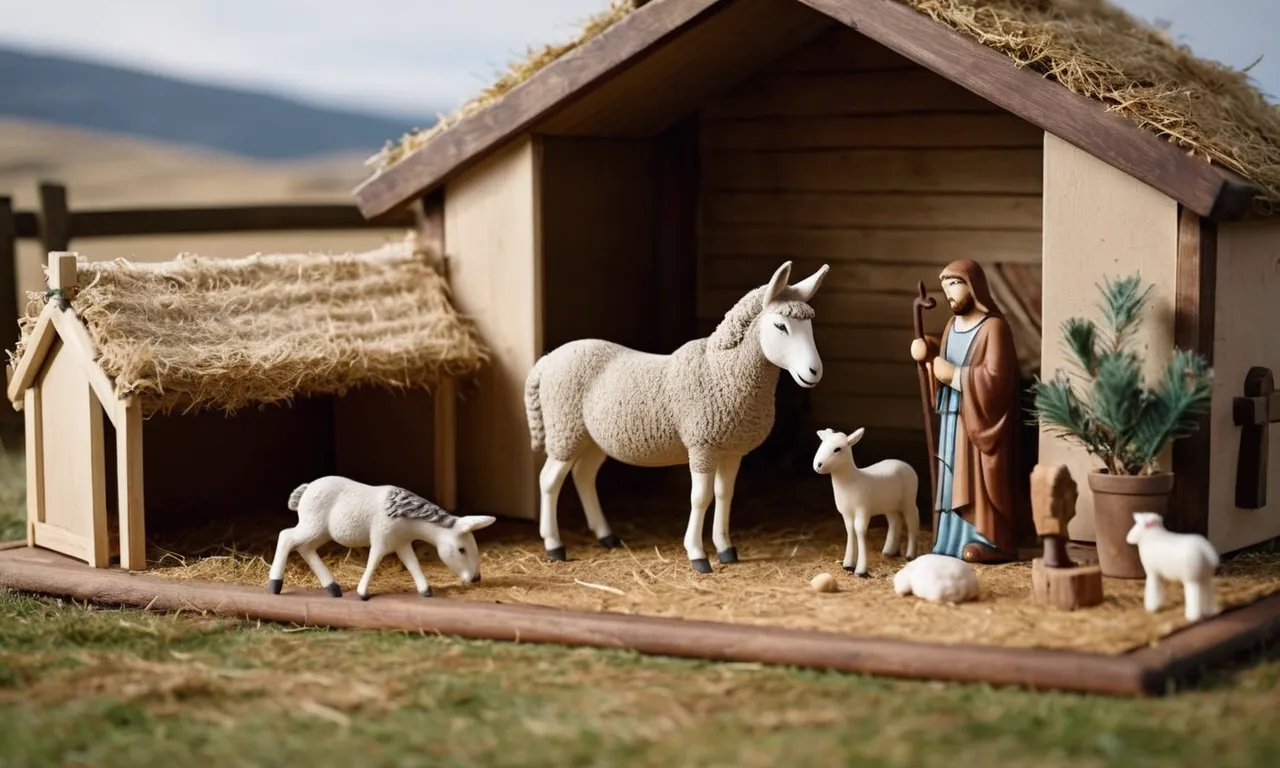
[{"x": 1254, "y": 413}]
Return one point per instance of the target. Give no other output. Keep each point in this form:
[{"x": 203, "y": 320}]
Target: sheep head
[{"x": 1141, "y": 522}]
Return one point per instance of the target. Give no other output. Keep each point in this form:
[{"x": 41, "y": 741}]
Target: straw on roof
[
  {"x": 196, "y": 333},
  {"x": 1090, "y": 46}
]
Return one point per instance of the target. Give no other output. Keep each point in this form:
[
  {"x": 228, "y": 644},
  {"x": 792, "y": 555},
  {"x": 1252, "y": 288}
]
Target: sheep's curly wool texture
[
  {"x": 195, "y": 333},
  {"x": 711, "y": 397},
  {"x": 1091, "y": 47}
]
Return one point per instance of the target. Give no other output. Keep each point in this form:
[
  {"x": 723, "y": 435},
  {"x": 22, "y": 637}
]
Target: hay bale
[{"x": 196, "y": 333}]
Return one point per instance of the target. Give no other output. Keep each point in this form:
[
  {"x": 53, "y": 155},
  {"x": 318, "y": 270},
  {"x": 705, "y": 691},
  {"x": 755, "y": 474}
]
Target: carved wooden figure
[{"x": 1055, "y": 580}]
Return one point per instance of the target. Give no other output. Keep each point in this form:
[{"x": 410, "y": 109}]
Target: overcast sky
[{"x": 406, "y": 57}]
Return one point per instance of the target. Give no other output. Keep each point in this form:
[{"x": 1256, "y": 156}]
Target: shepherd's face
[{"x": 959, "y": 297}]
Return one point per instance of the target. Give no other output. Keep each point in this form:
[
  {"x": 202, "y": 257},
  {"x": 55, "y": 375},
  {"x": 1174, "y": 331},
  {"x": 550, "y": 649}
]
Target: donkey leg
[
  {"x": 551, "y": 480},
  {"x": 726, "y": 476},
  {"x": 699, "y": 499},
  {"x": 584, "y": 472}
]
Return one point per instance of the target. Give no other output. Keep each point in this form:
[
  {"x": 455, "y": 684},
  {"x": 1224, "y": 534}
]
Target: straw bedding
[
  {"x": 196, "y": 333},
  {"x": 1089, "y": 46},
  {"x": 651, "y": 576}
]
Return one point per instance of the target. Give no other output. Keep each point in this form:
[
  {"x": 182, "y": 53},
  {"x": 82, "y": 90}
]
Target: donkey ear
[
  {"x": 475, "y": 522},
  {"x": 857, "y": 435},
  {"x": 806, "y": 288},
  {"x": 778, "y": 283}
]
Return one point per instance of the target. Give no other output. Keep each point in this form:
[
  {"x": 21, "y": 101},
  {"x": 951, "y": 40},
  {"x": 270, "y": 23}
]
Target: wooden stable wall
[
  {"x": 1246, "y": 334},
  {"x": 849, "y": 154}
]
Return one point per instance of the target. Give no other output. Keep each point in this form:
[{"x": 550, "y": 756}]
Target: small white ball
[{"x": 824, "y": 582}]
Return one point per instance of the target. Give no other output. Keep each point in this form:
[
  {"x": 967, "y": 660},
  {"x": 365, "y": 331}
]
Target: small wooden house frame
[
  {"x": 75, "y": 389},
  {"x": 690, "y": 146}
]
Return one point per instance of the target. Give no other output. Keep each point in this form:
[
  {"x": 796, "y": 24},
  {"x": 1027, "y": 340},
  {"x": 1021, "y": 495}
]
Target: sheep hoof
[
  {"x": 611, "y": 541},
  {"x": 334, "y": 590},
  {"x": 701, "y": 565},
  {"x": 363, "y": 595},
  {"x": 730, "y": 555},
  {"x": 274, "y": 586},
  {"x": 426, "y": 592},
  {"x": 863, "y": 575},
  {"x": 849, "y": 568},
  {"x": 556, "y": 555}
]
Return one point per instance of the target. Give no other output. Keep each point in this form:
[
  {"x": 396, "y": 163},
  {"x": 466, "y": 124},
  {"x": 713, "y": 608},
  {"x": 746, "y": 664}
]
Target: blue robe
[{"x": 954, "y": 532}]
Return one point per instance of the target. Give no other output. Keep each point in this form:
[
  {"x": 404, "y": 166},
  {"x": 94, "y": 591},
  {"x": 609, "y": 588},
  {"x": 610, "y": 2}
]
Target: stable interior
[{"x": 764, "y": 133}]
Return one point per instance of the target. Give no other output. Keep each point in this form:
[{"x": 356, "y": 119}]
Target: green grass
[{"x": 91, "y": 686}]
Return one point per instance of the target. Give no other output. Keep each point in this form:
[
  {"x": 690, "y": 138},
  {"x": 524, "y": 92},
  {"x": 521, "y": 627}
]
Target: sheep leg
[
  {"x": 551, "y": 480},
  {"x": 891, "y": 538},
  {"x": 284, "y": 545},
  {"x": 410, "y": 560},
  {"x": 911, "y": 516},
  {"x": 376, "y": 553},
  {"x": 726, "y": 478},
  {"x": 584, "y": 474},
  {"x": 848, "y": 543},
  {"x": 1208, "y": 601},
  {"x": 308, "y": 552},
  {"x": 1193, "y": 600},
  {"x": 861, "y": 522},
  {"x": 699, "y": 499},
  {"x": 1153, "y": 597}
]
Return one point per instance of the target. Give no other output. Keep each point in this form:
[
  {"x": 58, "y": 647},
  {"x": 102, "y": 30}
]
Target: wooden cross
[{"x": 1254, "y": 413}]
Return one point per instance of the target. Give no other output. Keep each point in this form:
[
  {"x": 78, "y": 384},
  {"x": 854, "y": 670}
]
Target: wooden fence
[{"x": 55, "y": 225}]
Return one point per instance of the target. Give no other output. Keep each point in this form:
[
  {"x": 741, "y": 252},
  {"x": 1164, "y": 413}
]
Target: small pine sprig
[
  {"x": 1123, "y": 301},
  {"x": 1081, "y": 338},
  {"x": 1174, "y": 407}
]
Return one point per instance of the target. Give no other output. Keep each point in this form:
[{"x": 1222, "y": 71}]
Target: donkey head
[{"x": 786, "y": 326}]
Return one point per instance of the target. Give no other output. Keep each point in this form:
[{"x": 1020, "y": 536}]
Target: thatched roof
[
  {"x": 1089, "y": 46},
  {"x": 197, "y": 333}
]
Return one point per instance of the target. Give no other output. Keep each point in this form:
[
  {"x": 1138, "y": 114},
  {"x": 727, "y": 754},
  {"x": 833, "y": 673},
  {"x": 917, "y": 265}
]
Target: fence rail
[{"x": 55, "y": 225}]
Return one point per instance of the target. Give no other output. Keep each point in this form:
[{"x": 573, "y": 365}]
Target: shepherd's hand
[
  {"x": 919, "y": 350},
  {"x": 943, "y": 370}
]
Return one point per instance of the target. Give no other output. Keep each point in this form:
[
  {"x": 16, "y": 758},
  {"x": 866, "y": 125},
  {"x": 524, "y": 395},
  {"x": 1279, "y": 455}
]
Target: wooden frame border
[
  {"x": 1208, "y": 190},
  {"x": 1150, "y": 671}
]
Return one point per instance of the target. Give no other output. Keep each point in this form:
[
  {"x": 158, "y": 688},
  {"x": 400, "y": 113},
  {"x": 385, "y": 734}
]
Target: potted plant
[{"x": 1120, "y": 420}]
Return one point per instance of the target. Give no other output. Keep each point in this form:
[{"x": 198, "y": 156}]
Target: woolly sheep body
[
  {"x": 1185, "y": 557},
  {"x": 937, "y": 578}
]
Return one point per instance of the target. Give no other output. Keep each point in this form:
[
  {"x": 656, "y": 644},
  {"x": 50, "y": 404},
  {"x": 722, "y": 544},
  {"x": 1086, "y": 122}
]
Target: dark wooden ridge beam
[
  {"x": 474, "y": 135},
  {"x": 131, "y": 222},
  {"x": 1207, "y": 190}
]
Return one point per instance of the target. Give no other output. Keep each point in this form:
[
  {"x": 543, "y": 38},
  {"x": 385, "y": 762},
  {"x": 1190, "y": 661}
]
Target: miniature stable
[
  {"x": 231, "y": 381},
  {"x": 584, "y": 197}
]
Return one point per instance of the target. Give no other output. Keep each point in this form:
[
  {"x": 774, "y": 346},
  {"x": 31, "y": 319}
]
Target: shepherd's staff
[{"x": 919, "y": 305}]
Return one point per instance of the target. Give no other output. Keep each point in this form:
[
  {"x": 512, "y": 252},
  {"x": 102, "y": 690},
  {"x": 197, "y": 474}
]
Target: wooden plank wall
[{"x": 848, "y": 154}]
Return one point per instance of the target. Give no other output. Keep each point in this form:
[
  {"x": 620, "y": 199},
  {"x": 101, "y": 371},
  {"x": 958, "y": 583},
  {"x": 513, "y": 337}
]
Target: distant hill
[{"x": 98, "y": 97}]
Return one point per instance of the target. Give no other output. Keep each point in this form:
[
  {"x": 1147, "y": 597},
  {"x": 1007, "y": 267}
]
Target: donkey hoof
[
  {"x": 730, "y": 555},
  {"x": 556, "y": 555},
  {"x": 611, "y": 541},
  {"x": 426, "y": 592},
  {"x": 701, "y": 565},
  {"x": 334, "y": 590},
  {"x": 274, "y": 586}
]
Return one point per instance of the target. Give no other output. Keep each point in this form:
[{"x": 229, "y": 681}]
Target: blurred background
[{"x": 211, "y": 102}]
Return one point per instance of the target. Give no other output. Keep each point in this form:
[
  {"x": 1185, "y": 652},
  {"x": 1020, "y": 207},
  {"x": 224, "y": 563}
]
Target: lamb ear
[
  {"x": 823, "y": 434},
  {"x": 474, "y": 523},
  {"x": 857, "y": 435},
  {"x": 805, "y": 289},
  {"x": 777, "y": 283}
]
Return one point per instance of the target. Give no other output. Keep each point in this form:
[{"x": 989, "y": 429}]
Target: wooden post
[
  {"x": 63, "y": 273},
  {"x": 429, "y": 221},
  {"x": 129, "y": 488},
  {"x": 8, "y": 279},
  {"x": 35, "y": 462},
  {"x": 1055, "y": 580},
  {"x": 55, "y": 218},
  {"x": 1254, "y": 414},
  {"x": 1193, "y": 327},
  {"x": 445, "y": 477}
]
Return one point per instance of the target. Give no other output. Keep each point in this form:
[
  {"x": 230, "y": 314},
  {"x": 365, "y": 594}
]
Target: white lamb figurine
[
  {"x": 1185, "y": 557},
  {"x": 885, "y": 488},
  {"x": 937, "y": 578},
  {"x": 383, "y": 518}
]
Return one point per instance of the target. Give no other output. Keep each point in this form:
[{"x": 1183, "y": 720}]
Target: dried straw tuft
[
  {"x": 196, "y": 333},
  {"x": 1089, "y": 46}
]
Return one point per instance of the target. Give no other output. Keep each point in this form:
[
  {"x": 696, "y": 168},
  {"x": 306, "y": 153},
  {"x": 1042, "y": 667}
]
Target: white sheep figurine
[
  {"x": 885, "y": 488},
  {"x": 938, "y": 578},
  {"x": 384, "y": 518},
  {"x": 1185, "y": 557}
]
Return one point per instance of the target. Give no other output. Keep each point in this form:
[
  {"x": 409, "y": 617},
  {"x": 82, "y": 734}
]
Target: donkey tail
[
  {"x": 296, "y": 496},
  {"x": 533, "y": 406}
]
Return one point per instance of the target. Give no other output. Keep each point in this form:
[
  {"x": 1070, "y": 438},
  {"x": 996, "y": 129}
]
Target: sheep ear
[
  {"x": 805, "y": 289},
  {"x": 475, "y": 522},
  {"x": 778, "y": 283},
  {"x": 857, "y": 435},
  {"x": 823, "y": 434}
]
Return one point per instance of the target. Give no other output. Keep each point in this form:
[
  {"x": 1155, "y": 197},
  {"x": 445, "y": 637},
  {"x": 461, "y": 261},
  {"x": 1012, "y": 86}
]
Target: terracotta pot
[{"x": 1115, "y": 499}]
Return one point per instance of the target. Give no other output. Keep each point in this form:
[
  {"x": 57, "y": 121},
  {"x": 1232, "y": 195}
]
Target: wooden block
[
  {"x": 1079, "y": 586},
  {"x": 62, "y": 272}
]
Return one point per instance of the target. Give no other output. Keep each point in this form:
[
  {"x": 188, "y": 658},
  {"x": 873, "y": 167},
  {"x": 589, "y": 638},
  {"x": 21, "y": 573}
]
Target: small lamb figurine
[
  {"x": 1185, "y": 557},
  {"x": 885, "y": 488},
  {"x": 383, "y": 518},
  {"x": 938, "y": 578}
]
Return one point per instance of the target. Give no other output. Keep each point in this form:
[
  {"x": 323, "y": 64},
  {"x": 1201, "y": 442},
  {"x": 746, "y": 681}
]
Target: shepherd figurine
[{"x": 707, "y": 404}]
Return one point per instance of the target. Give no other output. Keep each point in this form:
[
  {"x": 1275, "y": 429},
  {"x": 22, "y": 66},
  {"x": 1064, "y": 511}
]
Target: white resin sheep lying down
[{"x": 938, "y": 578}]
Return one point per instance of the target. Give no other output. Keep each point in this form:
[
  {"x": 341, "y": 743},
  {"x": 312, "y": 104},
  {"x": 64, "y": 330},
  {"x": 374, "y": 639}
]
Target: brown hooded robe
[{"x": 983, "y": 485}]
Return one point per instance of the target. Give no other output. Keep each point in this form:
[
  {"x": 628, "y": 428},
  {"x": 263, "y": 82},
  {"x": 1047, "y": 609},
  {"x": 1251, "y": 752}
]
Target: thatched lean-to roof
[
  {"x": 1089, "y": 46},
  {"x": 196, "y": 333}
]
